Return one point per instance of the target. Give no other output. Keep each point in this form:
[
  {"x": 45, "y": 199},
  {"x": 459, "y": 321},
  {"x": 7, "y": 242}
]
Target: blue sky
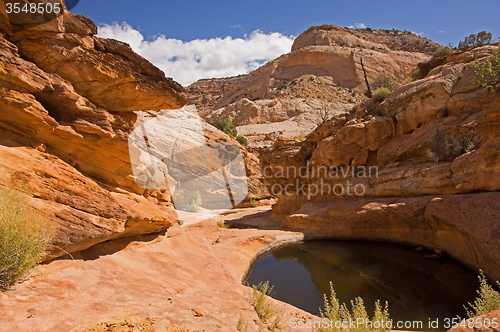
[{"x": 442, "y": 21}]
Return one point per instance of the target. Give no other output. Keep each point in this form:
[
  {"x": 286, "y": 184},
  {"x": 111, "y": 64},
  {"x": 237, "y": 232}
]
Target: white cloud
[
  {"x": 186, "y": 62},
  {"x": 441, "y": 31},
  {"x": 237, "y": 26},
  {"x": 420, "y": 34},
  {"x": 358, "y": 26}
]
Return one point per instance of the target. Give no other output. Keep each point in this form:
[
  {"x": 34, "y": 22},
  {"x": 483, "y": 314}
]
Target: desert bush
[
  {"x": 221, "y": 223},
  {"x": 242, "y": 324},
  {"x": 253, "y": 202},
  {"x": 25, "y": 233},
  {"x": 482, "y": 38},
  {"x": 443, "y": 147},
  {"x": 324, "y": 113},
  {"x": 300, "y": 138},
  {"x": 385, "y": 81},
  {"x": 226, "y": 126},
  {"x": 488, "y": 73},
  {"x": 195, "y": 202},
  {"x": 242, "y": 140},
  {"x": 381, "y": 93},
  {"x": 413, "y": 77},
  {"x": 442, "y": 52},
  {"x": 336, "y": 312},
  {"x": 264, "y": 306},
  {"x": 488, "y": 299}
]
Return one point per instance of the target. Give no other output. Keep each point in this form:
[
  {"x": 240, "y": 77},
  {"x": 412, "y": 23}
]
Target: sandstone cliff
[
  {"x": 69, "y": 101},
  {"x": 283, "y": 98}
]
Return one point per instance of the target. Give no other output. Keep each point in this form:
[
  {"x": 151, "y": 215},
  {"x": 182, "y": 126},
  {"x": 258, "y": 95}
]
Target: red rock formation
[
  {"x": 429, "y": 139},
  {"x": 284, "y": 97},
  {"x": 67, "y": 101}
]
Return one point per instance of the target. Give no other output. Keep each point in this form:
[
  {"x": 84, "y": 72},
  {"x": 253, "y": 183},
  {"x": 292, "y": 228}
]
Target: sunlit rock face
[
  {"x": 284, "y": 98},
  {"x": 69, "y": 102}
]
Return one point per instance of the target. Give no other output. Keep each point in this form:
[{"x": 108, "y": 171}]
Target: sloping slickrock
[
  {"x": 85, "y": 212},
  {"x": 188, "y": 279}
]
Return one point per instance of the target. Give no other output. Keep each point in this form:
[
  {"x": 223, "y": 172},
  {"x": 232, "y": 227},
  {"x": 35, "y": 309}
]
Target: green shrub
[
  {"x": 413, "y": 77},
  {"x": 259, "y": 300},
  {"x": 221, "y": 223},
  {"x": 381, "y": 93},
  {"x": 25, "y": 233},
  {"x": 195, "y": 203},
  {"x": 242, "y": 324},
  {"x": 488, "y": 73},
  {"x": 253, "y": 202},
  {"x": 336, "y": 312},
  {"x": 442, "y": 52},
  {"x": 482, "y": 38},
  {"x": 264, "y": 306},
  {"x": 226, "y": 126},
  {"x": 385, "y": 81},
  {"x": 242, "y": 140},
  {"x": 488, "y": 299},
  {"x": 300, "y": 138}
]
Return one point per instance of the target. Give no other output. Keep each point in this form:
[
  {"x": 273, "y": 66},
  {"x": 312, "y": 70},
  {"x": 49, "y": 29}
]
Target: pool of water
[{"x": 417, "y": 284}]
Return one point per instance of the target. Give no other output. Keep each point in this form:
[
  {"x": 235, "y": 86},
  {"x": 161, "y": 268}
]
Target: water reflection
[{"x": 417, "y": 285}]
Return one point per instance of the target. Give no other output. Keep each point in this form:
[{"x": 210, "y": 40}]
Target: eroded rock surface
[
  {"x": 68, "y": 103},
  {"x": 464, "y": 227},
  {"x": 434, "y": 136},
  {"x": 283, "y": 98},
  {"x": 186, "y": 280}
]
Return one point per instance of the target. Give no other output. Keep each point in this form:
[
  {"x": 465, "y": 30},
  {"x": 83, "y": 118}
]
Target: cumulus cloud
[
  {"x": 420, "y": 34},
  {"x": 358, "y": 26},
  {"x": 186, "y": 62}
]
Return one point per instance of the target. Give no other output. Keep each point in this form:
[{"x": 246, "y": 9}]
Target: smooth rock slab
[{"x": 188, "y": 278}]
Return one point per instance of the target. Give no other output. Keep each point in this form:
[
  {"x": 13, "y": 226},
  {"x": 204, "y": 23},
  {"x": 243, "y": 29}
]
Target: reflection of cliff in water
[{"x": 416, "y": 285}]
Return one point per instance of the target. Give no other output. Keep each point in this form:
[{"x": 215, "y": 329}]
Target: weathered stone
[
  {"x": 462, "y": 226},
  {"x": 185, "y": 280}
]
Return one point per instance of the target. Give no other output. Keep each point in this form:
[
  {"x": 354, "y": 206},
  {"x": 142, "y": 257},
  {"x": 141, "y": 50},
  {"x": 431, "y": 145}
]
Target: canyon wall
[
  {"x": 68, "y": 102},
  {"x": 323, "y": 71},
  {"x": 398, "y": 169}
]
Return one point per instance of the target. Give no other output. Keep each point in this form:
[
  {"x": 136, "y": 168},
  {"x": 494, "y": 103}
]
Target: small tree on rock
[{"x": 482, "y": 38}]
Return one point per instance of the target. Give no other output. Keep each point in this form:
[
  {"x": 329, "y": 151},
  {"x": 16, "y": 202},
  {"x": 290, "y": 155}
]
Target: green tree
[
  {"x": 482, "y": 38},
  {"x": 414, "y": 76},
  {"x": 444, "y": 51},
  {"x": 488, "y": 73}
]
